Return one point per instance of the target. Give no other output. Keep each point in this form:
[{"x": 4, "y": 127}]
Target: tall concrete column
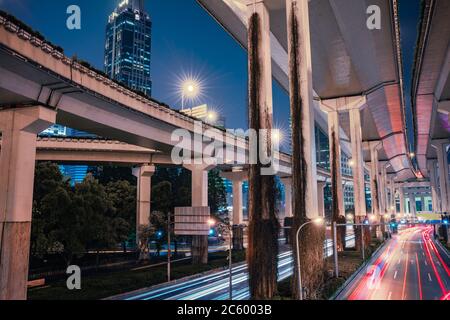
[
  {"x": 19, "y": 128},
  {"x": 412, "y": 205},
  {"x": 444, "y": 182},
  {"x": 332, "y": 107},
  {"x": 431, "y": 164},
  {"x": 359, "y": 183},
  {"x": 321, "y": 197},
  {"x": 287, "y": 182},
  {"x": 391, "y": 208},
  {"x": 237, "y": 177},
  {"x": 382, "y": 187},
  {"x": 402, "y": 201},
  {"x": 304, "y": 167},
  {"x": 144, "y": 175},
  {"x": 302, "y": 105},
  {"x": 199, "y": 196},
  {"x": 374, "y": 181}
]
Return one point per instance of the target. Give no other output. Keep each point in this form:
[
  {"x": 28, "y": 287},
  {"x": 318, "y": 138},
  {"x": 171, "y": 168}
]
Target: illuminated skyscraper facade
[{"x": 128, "y": 46}]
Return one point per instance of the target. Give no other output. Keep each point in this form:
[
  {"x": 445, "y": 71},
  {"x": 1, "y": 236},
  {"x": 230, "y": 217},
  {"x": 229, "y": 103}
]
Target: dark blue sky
[{"x": 185, "y": 40}]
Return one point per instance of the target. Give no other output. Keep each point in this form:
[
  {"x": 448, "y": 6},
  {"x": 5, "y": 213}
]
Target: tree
[
  {"x": 51, "y": 198},
  {"x": 217, "y": 193},
  {"x": 123, "y": 198}
]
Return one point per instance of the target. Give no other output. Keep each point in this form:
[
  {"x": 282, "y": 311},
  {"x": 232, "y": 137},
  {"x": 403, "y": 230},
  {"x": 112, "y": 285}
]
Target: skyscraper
[{"x": 128, "y": 46}]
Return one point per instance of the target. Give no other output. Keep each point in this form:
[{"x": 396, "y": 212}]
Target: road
[
  {"x": 410, "y": 267},
  {"x": 216, "y": 286}
]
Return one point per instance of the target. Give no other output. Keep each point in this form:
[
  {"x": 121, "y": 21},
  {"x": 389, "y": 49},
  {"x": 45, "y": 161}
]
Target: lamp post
[{"x": 317, "y": 221}]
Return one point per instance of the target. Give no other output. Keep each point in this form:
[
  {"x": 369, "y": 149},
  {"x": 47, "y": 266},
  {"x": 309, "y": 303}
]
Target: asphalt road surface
[
  {"x": 412, "y": 266},
  {"x": 216, "y": 286}
]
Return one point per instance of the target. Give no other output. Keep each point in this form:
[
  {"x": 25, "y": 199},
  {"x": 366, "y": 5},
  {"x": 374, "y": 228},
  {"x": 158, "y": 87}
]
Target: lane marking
[
  {"x": 390, "y": 295},
  {"x": 426, "y": 263},
  {"x": 395, "y": 274},
  {"x": 418, "y": 276},
  {"x": 405, "y": 275},
  {"x": 429, "y": 277}
]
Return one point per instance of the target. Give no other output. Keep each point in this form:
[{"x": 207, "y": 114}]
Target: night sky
[{"x": 186, "y": 40}]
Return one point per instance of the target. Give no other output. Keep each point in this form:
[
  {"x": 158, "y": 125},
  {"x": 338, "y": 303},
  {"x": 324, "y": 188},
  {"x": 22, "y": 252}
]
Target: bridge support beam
[
  {"x": 144, "y": 175},
  {"x": 237, "y": 177},
  {"x": 19, "y": 128},
  {"x": 444, "y": 182},
  {"x": 432, "y": 164},
  {"x": 402, "y": 201},
  {"x": 199, "y": 189}
]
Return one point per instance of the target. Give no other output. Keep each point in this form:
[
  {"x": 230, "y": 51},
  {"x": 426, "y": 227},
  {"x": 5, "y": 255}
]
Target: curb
[{"x": 357, "y": 272}]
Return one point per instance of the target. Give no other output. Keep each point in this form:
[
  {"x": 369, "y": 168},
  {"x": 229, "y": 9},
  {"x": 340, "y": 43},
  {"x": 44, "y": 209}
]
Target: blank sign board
[{"x": 192, "y": 221}]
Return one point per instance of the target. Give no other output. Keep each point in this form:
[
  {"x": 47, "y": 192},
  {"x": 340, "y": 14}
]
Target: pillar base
[
  {"x": 199, "y": 250},
  {"x": 238, "y": 237},
  {"x": 15, "y": 250}
]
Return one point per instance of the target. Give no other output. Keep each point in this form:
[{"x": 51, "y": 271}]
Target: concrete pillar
[
  {"x": 412, "y": 203},
  {"x": 199, "y": 190},
  {"x": 237, "y": 177},
  {"x": 287, "y": 182},
  {"x": 358, "y": 161},
  {"x": 199, "y": 183},
  {"x": 402, "y": 201},
  {"x": 391, "y": 207},
  {"x": 301, "y": 95},
  {"x": 444, "y": 182},
  {"x": 19, "y": 127},
  {"x": 144, "y": 175},
  {"x": 332, "y": 107},
  {"x": 432, "y": 164},
  {"x": 382, "y": 187},
  {"x": 374, "y": 181},
  {"x": 321, "y": 197}
]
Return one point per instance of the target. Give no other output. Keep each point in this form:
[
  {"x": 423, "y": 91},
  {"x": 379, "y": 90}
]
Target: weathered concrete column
[
  {"x": 144, "y": 175},
  {"x": 359, "y": 183},
  {"x": 304, "y": 168},
  {"x": 402, "y": 200},
  {"x": 444, "y": 182},
  {"x": 374, "y": 184},
  {"x": 321, "y": 197},
  {"x": 19, "y": 127},
  {"x": 331, "y": 107},
  {"x": 391, "y": 208},
  {"x": 199, "y": 190},
  {"x": 237, "y": 177},
  {"x": 412, "y": 205},
  {"x": 287, "y": 183},
  {"x": 382, "y": 187},
  {"x": 431, "y": 164}
]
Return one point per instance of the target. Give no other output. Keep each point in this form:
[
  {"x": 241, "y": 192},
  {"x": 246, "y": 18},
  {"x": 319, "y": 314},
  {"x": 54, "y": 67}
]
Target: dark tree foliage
[
  {"x": 217, "y": 194},
  {"x": 71, "y": 221}
]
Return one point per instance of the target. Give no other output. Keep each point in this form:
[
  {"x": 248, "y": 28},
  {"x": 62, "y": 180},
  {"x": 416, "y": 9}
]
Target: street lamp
[
  {"x": 317, "y": 221},
  {"x": 190, "y": 88}
]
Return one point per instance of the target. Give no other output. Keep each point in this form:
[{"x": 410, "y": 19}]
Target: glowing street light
[
  {"x": 351, "y": 163},
  {"x": 190, "y": 88},
  {"x": 212, "y": 116}
]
